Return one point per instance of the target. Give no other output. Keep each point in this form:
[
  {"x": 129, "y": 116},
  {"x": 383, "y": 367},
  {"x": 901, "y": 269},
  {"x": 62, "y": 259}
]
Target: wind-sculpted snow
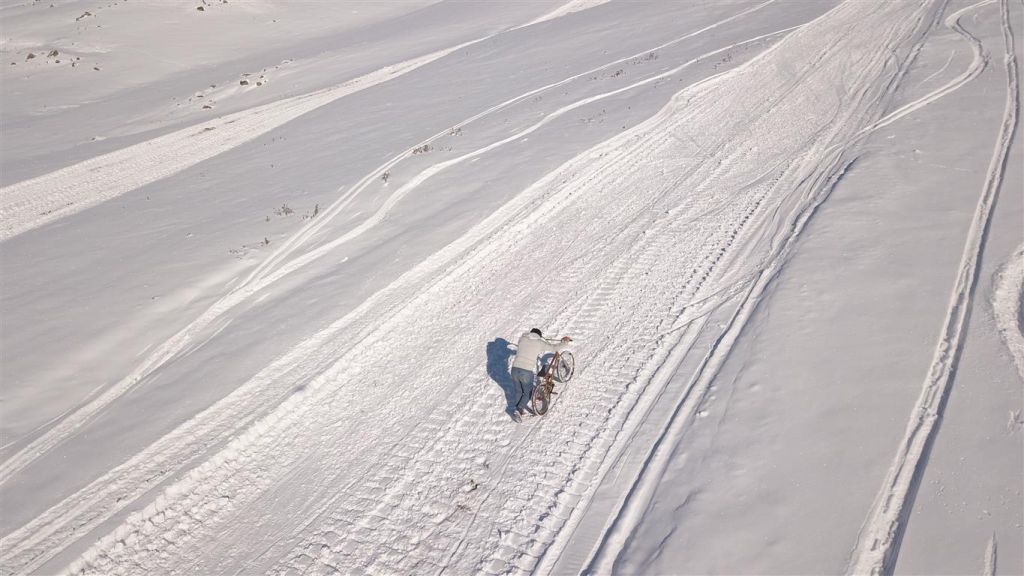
[
  {"x": 1008, "y": 305},
  {"x": 394, "y": 460}
]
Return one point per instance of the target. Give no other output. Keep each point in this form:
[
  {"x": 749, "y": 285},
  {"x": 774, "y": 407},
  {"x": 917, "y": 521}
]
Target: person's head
[{"x": 537, "y": 332}]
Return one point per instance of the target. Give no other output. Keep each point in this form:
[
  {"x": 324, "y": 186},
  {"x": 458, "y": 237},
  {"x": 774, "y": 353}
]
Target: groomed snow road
[{"x": 385, "y": 448}]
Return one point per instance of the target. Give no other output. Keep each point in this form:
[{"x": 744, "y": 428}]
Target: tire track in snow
[
  {"x": 272, "y": 270},
  {"x": 879, "y": 542},
  {"x": 40, "y": 539}
]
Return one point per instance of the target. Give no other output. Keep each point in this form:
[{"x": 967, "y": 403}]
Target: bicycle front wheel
[{"x": 565, "y": 368}]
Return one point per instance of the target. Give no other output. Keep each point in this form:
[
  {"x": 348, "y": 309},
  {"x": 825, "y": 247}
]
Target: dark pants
[{"x": 523, "y": 380}]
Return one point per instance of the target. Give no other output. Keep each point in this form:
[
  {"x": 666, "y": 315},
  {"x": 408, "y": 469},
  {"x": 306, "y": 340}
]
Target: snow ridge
[
  {"x": 879, "y": 542},
  {"x": 1008, "y": 306},
  {"x": 991, "y": 556}
]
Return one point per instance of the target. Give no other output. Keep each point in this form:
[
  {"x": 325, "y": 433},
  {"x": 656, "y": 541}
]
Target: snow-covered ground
[{"x": 263, "y": 265}]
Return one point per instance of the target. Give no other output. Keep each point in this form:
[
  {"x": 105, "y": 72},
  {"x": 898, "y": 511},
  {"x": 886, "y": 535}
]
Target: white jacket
[{"x": 531, "y": 347}]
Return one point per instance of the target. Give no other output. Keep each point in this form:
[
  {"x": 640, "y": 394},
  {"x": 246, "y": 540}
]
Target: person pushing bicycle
[{"x": 532, "y": 345}]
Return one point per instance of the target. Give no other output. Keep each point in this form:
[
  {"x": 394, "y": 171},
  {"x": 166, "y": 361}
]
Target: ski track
[
  {"x": 44, "y": 537},
  {"x": 643, "y": 229},
  {"x": 271, "y": 270},
  {"x": 879, "y": 542}
]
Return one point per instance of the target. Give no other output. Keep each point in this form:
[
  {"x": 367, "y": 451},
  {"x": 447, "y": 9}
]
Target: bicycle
[{"x": 560, "y": 369}]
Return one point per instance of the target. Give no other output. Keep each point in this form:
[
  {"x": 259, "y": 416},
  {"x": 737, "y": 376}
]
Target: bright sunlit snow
[{"x": 263, "y": 266}]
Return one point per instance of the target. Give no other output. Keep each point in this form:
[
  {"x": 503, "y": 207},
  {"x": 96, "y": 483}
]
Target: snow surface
[{"x": 262, "y": 265}]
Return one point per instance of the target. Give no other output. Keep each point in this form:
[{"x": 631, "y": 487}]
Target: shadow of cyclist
[{"x": 499, "y": 353}]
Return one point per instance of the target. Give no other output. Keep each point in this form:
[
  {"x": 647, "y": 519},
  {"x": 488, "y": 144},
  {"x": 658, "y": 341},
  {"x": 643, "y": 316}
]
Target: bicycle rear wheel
[{"x": 541, "y": 400}]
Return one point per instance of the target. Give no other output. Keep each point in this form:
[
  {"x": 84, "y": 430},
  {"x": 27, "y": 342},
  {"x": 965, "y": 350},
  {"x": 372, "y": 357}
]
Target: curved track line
[
  {"x": 879, "y": 542},
  {"x": 976, "y": 67}
]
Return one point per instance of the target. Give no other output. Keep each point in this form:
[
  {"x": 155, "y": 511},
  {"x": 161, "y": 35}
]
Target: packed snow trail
[
  {"x": 879, "y": 541},
  {"x": 365, "y": 467},
  {"x": 46, "y": 535}
]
